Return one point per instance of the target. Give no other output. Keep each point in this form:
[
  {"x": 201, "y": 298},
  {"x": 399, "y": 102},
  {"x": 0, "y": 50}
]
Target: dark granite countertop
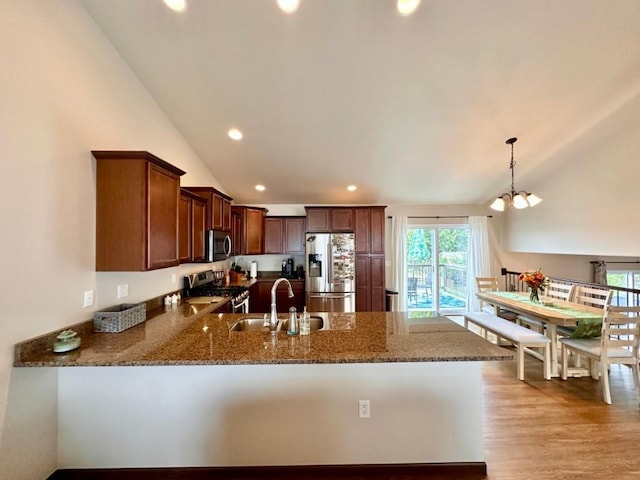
[{"x": 191, "y": 335}]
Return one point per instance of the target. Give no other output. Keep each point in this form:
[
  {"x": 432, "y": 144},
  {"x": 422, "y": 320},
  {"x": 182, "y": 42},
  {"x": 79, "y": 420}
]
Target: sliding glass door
[{"x": 436, "y": 265}]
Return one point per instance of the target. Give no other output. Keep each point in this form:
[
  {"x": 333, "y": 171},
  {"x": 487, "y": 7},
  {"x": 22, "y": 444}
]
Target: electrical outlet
[
  {"x": 123, "y": 290},
  {"x": 88, "y": 299},
  {"x": 173, "y": 278},
  {"x": 364, "y": 408}
]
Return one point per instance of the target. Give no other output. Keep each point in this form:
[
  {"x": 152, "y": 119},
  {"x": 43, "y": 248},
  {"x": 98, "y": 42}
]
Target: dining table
[{"x": 552, "y": 313}]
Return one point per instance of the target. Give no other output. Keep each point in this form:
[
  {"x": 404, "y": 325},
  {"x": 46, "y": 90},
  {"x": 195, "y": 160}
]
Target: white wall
[
  {"x": 233, "y": 415},
  {"x": 590, "y": 192},
  {"x": 64, "y": 91}
]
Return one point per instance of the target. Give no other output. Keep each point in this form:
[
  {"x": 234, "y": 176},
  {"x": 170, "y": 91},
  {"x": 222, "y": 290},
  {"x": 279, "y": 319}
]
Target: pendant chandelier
[{"x": 514, "y": 199}]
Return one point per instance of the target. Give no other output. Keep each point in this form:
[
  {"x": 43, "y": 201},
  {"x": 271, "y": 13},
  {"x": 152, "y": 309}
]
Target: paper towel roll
[{"x": 254, "y": 270}]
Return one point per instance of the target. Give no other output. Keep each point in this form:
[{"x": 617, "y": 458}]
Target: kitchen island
[{"x": 182, "y": 390}]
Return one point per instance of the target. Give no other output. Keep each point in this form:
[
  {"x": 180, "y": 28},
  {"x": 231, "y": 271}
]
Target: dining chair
[
  {"x": 412, "y": 288},
  {"x": 560, "y": 291},
  {"x": 490, "y": 284},
  {"x": 590, "y": 296},
  {"x": 555, "y": 290},
  {"x": 618, "y": 343}
]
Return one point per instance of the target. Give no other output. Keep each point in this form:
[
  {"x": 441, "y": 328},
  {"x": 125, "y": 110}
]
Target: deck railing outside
[
  {"x": 452, "y": 279},
  {"x": 621, "y": 295}
]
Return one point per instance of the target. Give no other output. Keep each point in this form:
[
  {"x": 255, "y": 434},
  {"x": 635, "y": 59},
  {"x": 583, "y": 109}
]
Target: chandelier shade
[{"x": 513, "y": 198}]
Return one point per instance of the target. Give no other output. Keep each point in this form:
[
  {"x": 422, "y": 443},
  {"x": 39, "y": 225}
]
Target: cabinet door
[
  {"x": 284, "y": 303},
  {"x": 198, "y": 229},
  {"x": 294, "y": 235},
  {"x": 342, "y": 220},
  {"x": 218, "y": 218},
  {"x": 318, "y": 220},
  {"x": 255, "y": 231},
  {"x": 363, "y": 276},
  {"x": 237, "y": 234},
  {"x": 163, "y": 193},
  {"x": 226, "y": 215},
  {"x": 377, "y": 284},
  {"x": 362, "y": 220},
  {"x": 273, "y": 230},
  {"x": 377, "y": 230},
  {"x": 260, "y": 297},
  {"x": 184, "y": 229}
]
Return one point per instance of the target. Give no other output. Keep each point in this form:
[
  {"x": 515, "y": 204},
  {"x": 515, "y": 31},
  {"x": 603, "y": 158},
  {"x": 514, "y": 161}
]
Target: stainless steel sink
[
  {"x": 256, "y": 324},
  {"x": 316, "y": 323},
  {"x": 248, "y": 325}
]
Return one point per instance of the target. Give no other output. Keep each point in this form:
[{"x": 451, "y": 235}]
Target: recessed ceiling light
[
  {"x": 352, "y": 188},
  {"x": 176, "y": 5},
  {"x": 407, "y": 7},
  {"x": 234, "y": 134},
  {"x": 260, "y": 188},
  {"x": 288, "y": 6}
]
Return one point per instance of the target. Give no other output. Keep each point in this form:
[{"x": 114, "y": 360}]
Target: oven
[
  {"x": 240, "y": 303},
  {"x": 208, "y": 284}
]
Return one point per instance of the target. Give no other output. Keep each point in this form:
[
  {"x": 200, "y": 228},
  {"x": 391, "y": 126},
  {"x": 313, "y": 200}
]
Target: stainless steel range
[{"x": 208, "y": 287}]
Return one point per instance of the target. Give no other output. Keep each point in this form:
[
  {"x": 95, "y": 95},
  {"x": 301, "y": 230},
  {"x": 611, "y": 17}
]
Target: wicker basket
[{"x": 119, "y": 318}]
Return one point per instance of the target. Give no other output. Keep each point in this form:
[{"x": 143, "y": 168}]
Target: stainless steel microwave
[{"x": 218, "y": 245}]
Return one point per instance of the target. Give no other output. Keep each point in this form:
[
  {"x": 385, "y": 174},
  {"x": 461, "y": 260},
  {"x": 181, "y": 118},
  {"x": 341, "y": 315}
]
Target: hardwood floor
[{"x": 557, "y": 429}]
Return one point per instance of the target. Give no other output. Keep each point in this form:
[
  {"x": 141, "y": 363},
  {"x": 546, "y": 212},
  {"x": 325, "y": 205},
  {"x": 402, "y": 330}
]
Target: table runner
[{"x": 589, "y": 325}]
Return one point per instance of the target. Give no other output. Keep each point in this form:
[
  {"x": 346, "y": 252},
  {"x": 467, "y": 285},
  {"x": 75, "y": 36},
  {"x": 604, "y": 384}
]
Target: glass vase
[{"x": 534, "y": 295}]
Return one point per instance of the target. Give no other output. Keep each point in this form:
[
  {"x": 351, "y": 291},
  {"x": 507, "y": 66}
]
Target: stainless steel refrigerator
[{"x": 330, "y": 278}]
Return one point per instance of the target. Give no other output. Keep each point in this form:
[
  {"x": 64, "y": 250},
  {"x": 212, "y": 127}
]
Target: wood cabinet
[
  {"x": 218, "y": 208},
  {"x": 369, "y": 228},
  {"x": 236, "y": 233},
  {"x": 368, "y": 224},
  {"x": 370, "y": 283},
  {"x": 191, "y": 227},
  {"x": 248, "y": 235},
  {"x": 260, "y": 296},
  {"x": 284, "y": 235},
  {"x": 329, "y": 219},
  {"x": 137, "y": 197}
]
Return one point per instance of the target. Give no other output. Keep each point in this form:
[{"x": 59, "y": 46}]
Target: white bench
[{"x": 523, "y": 338}]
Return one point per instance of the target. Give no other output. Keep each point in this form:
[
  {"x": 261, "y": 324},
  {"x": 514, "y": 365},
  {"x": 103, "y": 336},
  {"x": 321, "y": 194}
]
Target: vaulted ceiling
[{"x": 412, "y": 110}]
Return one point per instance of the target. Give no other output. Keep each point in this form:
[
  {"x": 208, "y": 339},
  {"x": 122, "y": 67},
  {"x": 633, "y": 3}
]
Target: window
[{"x": 625, "y": 279}]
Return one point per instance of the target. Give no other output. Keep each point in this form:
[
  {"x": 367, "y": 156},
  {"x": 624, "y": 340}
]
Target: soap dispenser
[{"x": 293, "y": 322}]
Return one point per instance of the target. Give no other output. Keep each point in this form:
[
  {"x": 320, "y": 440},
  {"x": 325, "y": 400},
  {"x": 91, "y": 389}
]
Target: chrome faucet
[{"x": 273, "y": 322}]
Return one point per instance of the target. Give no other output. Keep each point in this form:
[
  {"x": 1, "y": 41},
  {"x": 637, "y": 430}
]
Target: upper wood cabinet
[
  {"x": 369, "y": 229},
  {"x": 218, "y": 208},
  {"x": 329, "y": 219},
  {"x": 284, "y": 235},
  {"x": 192, "y": 226},
  {"x": 137, "y": 196},
  {"x": 249, "y": 237}
]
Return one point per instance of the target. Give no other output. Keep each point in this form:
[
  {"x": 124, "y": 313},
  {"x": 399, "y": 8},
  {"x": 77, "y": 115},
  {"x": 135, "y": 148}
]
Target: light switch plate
[
  {"x": 88, "y": 299},
  {"x": 123, "y": 290}
]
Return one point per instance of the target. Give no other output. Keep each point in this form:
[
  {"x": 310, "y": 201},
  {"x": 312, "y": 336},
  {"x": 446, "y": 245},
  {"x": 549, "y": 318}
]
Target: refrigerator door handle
[
  {"x": 329, "y": 266},
  {"x": 329, "y": 296}
]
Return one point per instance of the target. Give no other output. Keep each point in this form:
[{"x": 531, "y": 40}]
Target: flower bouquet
[{"x": 536, "y": 281}]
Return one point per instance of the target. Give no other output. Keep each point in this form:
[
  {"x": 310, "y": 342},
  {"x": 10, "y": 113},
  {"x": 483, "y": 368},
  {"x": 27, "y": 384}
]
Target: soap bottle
[
  {"x": 305, "y": 322},
  {"x": 293, "y": 322}
]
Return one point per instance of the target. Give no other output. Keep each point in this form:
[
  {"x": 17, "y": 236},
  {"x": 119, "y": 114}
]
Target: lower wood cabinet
[
  {"x": 260, "y": 296},
  {"x": 370, "y": 283}
]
